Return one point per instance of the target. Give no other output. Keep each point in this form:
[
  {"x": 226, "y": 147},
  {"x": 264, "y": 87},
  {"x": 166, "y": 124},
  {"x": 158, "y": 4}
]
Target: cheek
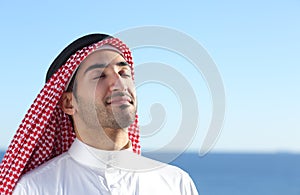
[
  {"x": 131, "y": 88},
  {"x": 101, "y": 90},
  {"x": 87, "y": 89}
]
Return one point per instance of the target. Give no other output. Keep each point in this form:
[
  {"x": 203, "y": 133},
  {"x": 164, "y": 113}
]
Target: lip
[{"x": 119, "y": 99}]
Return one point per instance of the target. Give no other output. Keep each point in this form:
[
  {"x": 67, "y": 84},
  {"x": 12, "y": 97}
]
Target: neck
[{"x": 108, "y": 139}]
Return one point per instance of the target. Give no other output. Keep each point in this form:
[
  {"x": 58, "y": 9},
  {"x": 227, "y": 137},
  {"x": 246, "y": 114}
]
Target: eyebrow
[
  {"x": 122, "y": 63},
  {"x": 95, "y": 66}
]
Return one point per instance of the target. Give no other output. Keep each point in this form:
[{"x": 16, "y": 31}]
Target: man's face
[{"x": 105, "y": 95}]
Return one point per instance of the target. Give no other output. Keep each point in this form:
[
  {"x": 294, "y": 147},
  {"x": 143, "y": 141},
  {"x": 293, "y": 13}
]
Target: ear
[{"x": 66, "y": 103}]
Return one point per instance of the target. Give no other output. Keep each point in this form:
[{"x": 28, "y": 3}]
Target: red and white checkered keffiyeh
[{"x": 46, "y": 131}]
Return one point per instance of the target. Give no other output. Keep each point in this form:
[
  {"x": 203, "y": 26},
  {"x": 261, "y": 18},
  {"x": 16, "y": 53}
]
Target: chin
[{"x": 121, "y": 118}]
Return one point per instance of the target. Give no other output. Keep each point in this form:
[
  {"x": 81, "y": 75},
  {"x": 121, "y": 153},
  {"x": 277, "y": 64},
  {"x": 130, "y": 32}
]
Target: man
[{"x": 81, "y": 134}]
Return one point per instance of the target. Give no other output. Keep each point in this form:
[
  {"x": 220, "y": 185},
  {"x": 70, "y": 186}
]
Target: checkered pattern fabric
[{"x": 46, "y": 131}]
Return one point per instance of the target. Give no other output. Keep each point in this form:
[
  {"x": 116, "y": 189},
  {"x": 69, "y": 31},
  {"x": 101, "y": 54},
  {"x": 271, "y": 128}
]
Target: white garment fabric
[{"x": 86, "y": 170}]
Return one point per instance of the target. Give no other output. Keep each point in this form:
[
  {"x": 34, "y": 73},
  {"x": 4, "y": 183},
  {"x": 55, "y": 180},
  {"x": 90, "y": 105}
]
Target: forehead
[{"x": 103, "y": 57}]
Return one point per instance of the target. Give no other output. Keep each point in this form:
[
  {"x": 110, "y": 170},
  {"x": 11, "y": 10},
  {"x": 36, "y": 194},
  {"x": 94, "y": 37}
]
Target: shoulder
[
  {"x": 48, "y": 167},
  {"x": 42, "y": 175},
  {"x": 172, "y": 172},
  {"x": 136, "y": 163},
  {"x": 178, "y": 180},
  {"x": 167, "y": 178}
]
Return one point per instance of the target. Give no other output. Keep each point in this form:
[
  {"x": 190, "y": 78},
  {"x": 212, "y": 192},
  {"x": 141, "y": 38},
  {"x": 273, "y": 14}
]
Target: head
[{"x": 102, "y": 97}]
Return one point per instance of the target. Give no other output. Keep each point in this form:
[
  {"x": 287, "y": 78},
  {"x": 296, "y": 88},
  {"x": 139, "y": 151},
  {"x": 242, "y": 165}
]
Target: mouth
[{"x": 118, "y": 99}]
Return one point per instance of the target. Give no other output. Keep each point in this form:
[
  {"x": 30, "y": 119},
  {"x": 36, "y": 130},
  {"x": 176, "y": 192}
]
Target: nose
[{"x": 116, "y": 83}]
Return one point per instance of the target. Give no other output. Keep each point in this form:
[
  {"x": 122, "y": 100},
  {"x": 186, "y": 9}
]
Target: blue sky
[{"x": 254, "y": 44}]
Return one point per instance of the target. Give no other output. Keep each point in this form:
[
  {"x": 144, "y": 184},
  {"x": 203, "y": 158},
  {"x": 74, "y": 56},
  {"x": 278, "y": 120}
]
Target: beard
[
  {"x": 96, "y": 115},
  {"x": 118, "y": 117}
]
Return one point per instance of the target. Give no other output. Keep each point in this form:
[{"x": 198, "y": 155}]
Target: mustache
[{"x": 118, "y": 94}]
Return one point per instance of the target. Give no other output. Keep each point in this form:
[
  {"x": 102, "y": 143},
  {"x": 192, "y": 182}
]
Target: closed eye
[
  {"x": 101, "y": 76},
  {"x": 125, "y": 73}
]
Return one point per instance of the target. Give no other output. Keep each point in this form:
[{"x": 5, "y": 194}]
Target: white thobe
[{"x": 86, "y": 170}]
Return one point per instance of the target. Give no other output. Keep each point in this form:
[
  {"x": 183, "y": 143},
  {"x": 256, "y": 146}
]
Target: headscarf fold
[{"x": 46, "y": 131}]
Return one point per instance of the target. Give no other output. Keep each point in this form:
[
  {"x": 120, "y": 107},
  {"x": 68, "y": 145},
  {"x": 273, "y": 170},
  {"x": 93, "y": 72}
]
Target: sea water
[{"x": 243, "y": 174}]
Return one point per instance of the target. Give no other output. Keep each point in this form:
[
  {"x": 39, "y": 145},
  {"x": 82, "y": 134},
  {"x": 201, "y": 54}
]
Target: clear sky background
[{"x": 255, "y": 45}]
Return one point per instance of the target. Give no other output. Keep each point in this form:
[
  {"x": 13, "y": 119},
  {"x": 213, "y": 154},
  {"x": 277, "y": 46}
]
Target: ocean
[{"x": 241, "y": 174}]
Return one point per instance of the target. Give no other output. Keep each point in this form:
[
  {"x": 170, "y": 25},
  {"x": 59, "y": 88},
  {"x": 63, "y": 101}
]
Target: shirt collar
[
  {"x": 94, "y": 157},
  {"x": 104, "y": 159}
]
